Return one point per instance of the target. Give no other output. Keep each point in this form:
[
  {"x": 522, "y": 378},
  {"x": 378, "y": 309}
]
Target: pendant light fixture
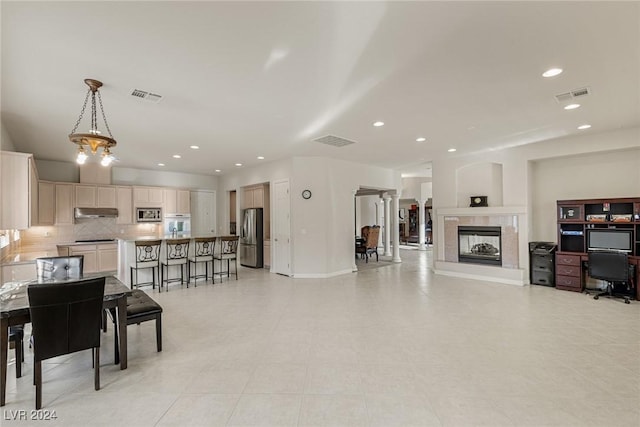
[{"x": 93, "y": 139}]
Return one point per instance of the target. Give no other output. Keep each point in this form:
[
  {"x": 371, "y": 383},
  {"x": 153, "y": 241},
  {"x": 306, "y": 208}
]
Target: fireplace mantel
[
  {"x": 512, "y": 219},
  {"x": 483, "y": 211}
]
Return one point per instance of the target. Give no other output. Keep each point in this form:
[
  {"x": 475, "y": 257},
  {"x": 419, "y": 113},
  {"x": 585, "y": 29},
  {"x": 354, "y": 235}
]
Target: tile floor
[{"x": 395, "y": 346}]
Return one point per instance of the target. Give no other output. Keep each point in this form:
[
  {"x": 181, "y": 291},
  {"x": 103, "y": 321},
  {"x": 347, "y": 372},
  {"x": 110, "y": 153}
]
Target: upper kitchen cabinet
[
  {"x": 95, "y": 196},
  {"x": 124, "y": 201},
  {"x": 46, "y": 203},
  {"x": 253, "y": 197},
  {"x": 19, "y": 191},
  {"x": 177, "y": 201},
  {"x": 148, "y": 197},
  {"x": 64, "y": 204}
]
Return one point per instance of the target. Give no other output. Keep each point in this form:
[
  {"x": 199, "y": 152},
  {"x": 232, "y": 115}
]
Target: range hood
[{"x": 81, "y": 213}]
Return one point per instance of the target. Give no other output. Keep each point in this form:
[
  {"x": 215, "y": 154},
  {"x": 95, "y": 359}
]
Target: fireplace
[{"x": 480, "y": 245}]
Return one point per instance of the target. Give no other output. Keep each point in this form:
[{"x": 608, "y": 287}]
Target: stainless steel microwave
[{"x": 149, "y": 214}]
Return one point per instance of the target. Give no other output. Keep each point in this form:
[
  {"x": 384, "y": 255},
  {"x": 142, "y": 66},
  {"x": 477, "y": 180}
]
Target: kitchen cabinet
[
  {"x": 85, "y": 196},
  {"x": 95, "y": 196},
  {"x": 148, "y": 197},
  {"x": 64, "y": 204},
  {"x": 106, "y": 196},
  {"x": 46, "y": 203},
  {"x": 177, "y": 201},
  {"x": 107, "y": 255},
  {"x": 98, "y": 258},
  {"x": 124, "y": 202},
  {"x": 266, "y": 253},
  {"x": 90, "y": 264},
  {"x": 19, "y": 191},
  {"x": 253, "y": 197}
]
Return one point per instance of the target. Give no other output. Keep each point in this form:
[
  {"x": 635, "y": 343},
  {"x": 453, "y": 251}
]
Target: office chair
[
  {"x": 66, "y": 318},
  {"x": 612, "y": 267}
]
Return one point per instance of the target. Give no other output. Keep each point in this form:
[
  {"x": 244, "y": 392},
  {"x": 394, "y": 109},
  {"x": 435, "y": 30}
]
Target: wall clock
[
  {"x": 306, "y": 194},
  {"x": 477, "y": 201}
]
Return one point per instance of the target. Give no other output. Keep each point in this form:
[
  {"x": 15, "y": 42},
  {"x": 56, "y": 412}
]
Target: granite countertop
[
  {"x": 87, "y": 243},
  {"x": 164, "y": 237},
  {"x": 26, "y": 257}
]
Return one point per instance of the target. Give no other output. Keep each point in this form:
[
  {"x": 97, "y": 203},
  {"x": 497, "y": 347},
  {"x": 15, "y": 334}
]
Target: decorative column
[
  {"x": 387, "y": 226},
  {"x": 379, "y": 219},
  {"x": 396, "y": 228},
  {"x": 354, "y": 267},
  {"x": 421, "y": 233}
]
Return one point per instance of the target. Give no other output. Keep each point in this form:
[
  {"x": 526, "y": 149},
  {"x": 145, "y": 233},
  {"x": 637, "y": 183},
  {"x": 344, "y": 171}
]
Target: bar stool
[
  {"x": 177, "y": 254},
  {"x": 147, "y": 256},
  {"x": 228, "y": 251},
  {"x": 203, "y": 252}
]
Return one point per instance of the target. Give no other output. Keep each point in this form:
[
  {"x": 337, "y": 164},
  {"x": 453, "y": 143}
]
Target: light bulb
[
  {"x": 106, "y": 161},
  {"x": 106, "y": 157},
  {"x": 82, "y": 156}
]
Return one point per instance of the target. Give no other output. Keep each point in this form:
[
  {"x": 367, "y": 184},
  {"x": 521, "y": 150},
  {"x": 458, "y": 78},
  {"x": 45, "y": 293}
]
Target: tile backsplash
[{"x": 47, "y": 237}]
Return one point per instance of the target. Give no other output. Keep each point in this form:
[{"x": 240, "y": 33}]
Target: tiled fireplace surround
[{"x": 512, "y": 222}]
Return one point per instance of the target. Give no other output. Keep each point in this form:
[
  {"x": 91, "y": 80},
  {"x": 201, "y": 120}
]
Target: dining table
[{"x": 14, "y": 310}]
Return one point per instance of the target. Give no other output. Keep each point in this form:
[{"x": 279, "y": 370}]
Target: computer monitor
[
  {"x": 610, "y": 239},
  {"x": 610, "y": 266}
]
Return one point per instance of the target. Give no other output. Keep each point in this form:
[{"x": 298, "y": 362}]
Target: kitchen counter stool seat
[
  {"x": 147, "y": 253},
  {"x": 177, "y": 254},
  {"x": 228, "y": 252},
  {"x": 203, "y": 253}
]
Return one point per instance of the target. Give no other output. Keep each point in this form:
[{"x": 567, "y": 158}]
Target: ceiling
[{"x": 249, "y": 79}]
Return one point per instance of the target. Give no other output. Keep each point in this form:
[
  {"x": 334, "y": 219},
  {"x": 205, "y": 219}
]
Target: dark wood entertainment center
[{"x": 576, "y": 218}]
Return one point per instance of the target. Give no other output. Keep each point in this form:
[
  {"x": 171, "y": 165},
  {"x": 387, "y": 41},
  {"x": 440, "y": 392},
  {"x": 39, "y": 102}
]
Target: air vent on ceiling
[
  {"x": 576, "y": 93},
  {"x": 147, "y": 96},
  {"x": 336, "y": 141}
]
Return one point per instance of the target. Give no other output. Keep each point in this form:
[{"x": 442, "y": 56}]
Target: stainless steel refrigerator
[{"x": 251, "y": 244}]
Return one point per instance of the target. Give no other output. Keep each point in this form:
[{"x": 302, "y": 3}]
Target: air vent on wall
[
  {"x": 576, "y": 93},
  {"x": 147, "y": 96},
  {"x": 333, "y": 140}
]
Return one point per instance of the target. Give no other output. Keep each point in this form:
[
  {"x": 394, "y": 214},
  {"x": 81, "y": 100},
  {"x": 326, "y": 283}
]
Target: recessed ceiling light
[
  {"x": 260, "y": 158},
  {"x": 177, "y": 156},
  {"x": 583, "y": 127},
  {"x": 160, "y": 164},
  {"x": 421, "y": 139},
  {"x": 552, "y": 72},
  {"x": 451, "y": 150},
  {"x": 238, "y": 164},
  {"x": 195, "y": 147},
  {"x": 571, "y": 106},
  {"x": 218, "y": 170},
  {"x": 378, "y": 124}
]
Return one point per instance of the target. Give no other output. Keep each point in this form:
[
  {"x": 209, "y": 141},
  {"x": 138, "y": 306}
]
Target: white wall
[
  {"x": 52, "y": 170},
  {"x": 129, "y": 176},
  {"x": 479, "y": 179},
  {"x": 367, "y": 206},
  {"x": 412, "y": 188},
  {"x": 587, "y": 176},
  {"x": 517, "y": 188},
  {"x": 6, "y": 142},
  {"x": 322, "y": 231},
  {"x": 322, "y": 227},
  {"x": 264, "y": 173}
]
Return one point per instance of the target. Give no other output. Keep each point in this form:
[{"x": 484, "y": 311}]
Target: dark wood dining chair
[{"x": 65, "y": 318}]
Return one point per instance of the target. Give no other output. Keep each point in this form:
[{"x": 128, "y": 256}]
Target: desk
[
  {"x": 571, "y": 272},
  {"x": 14, "y": 310}
]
